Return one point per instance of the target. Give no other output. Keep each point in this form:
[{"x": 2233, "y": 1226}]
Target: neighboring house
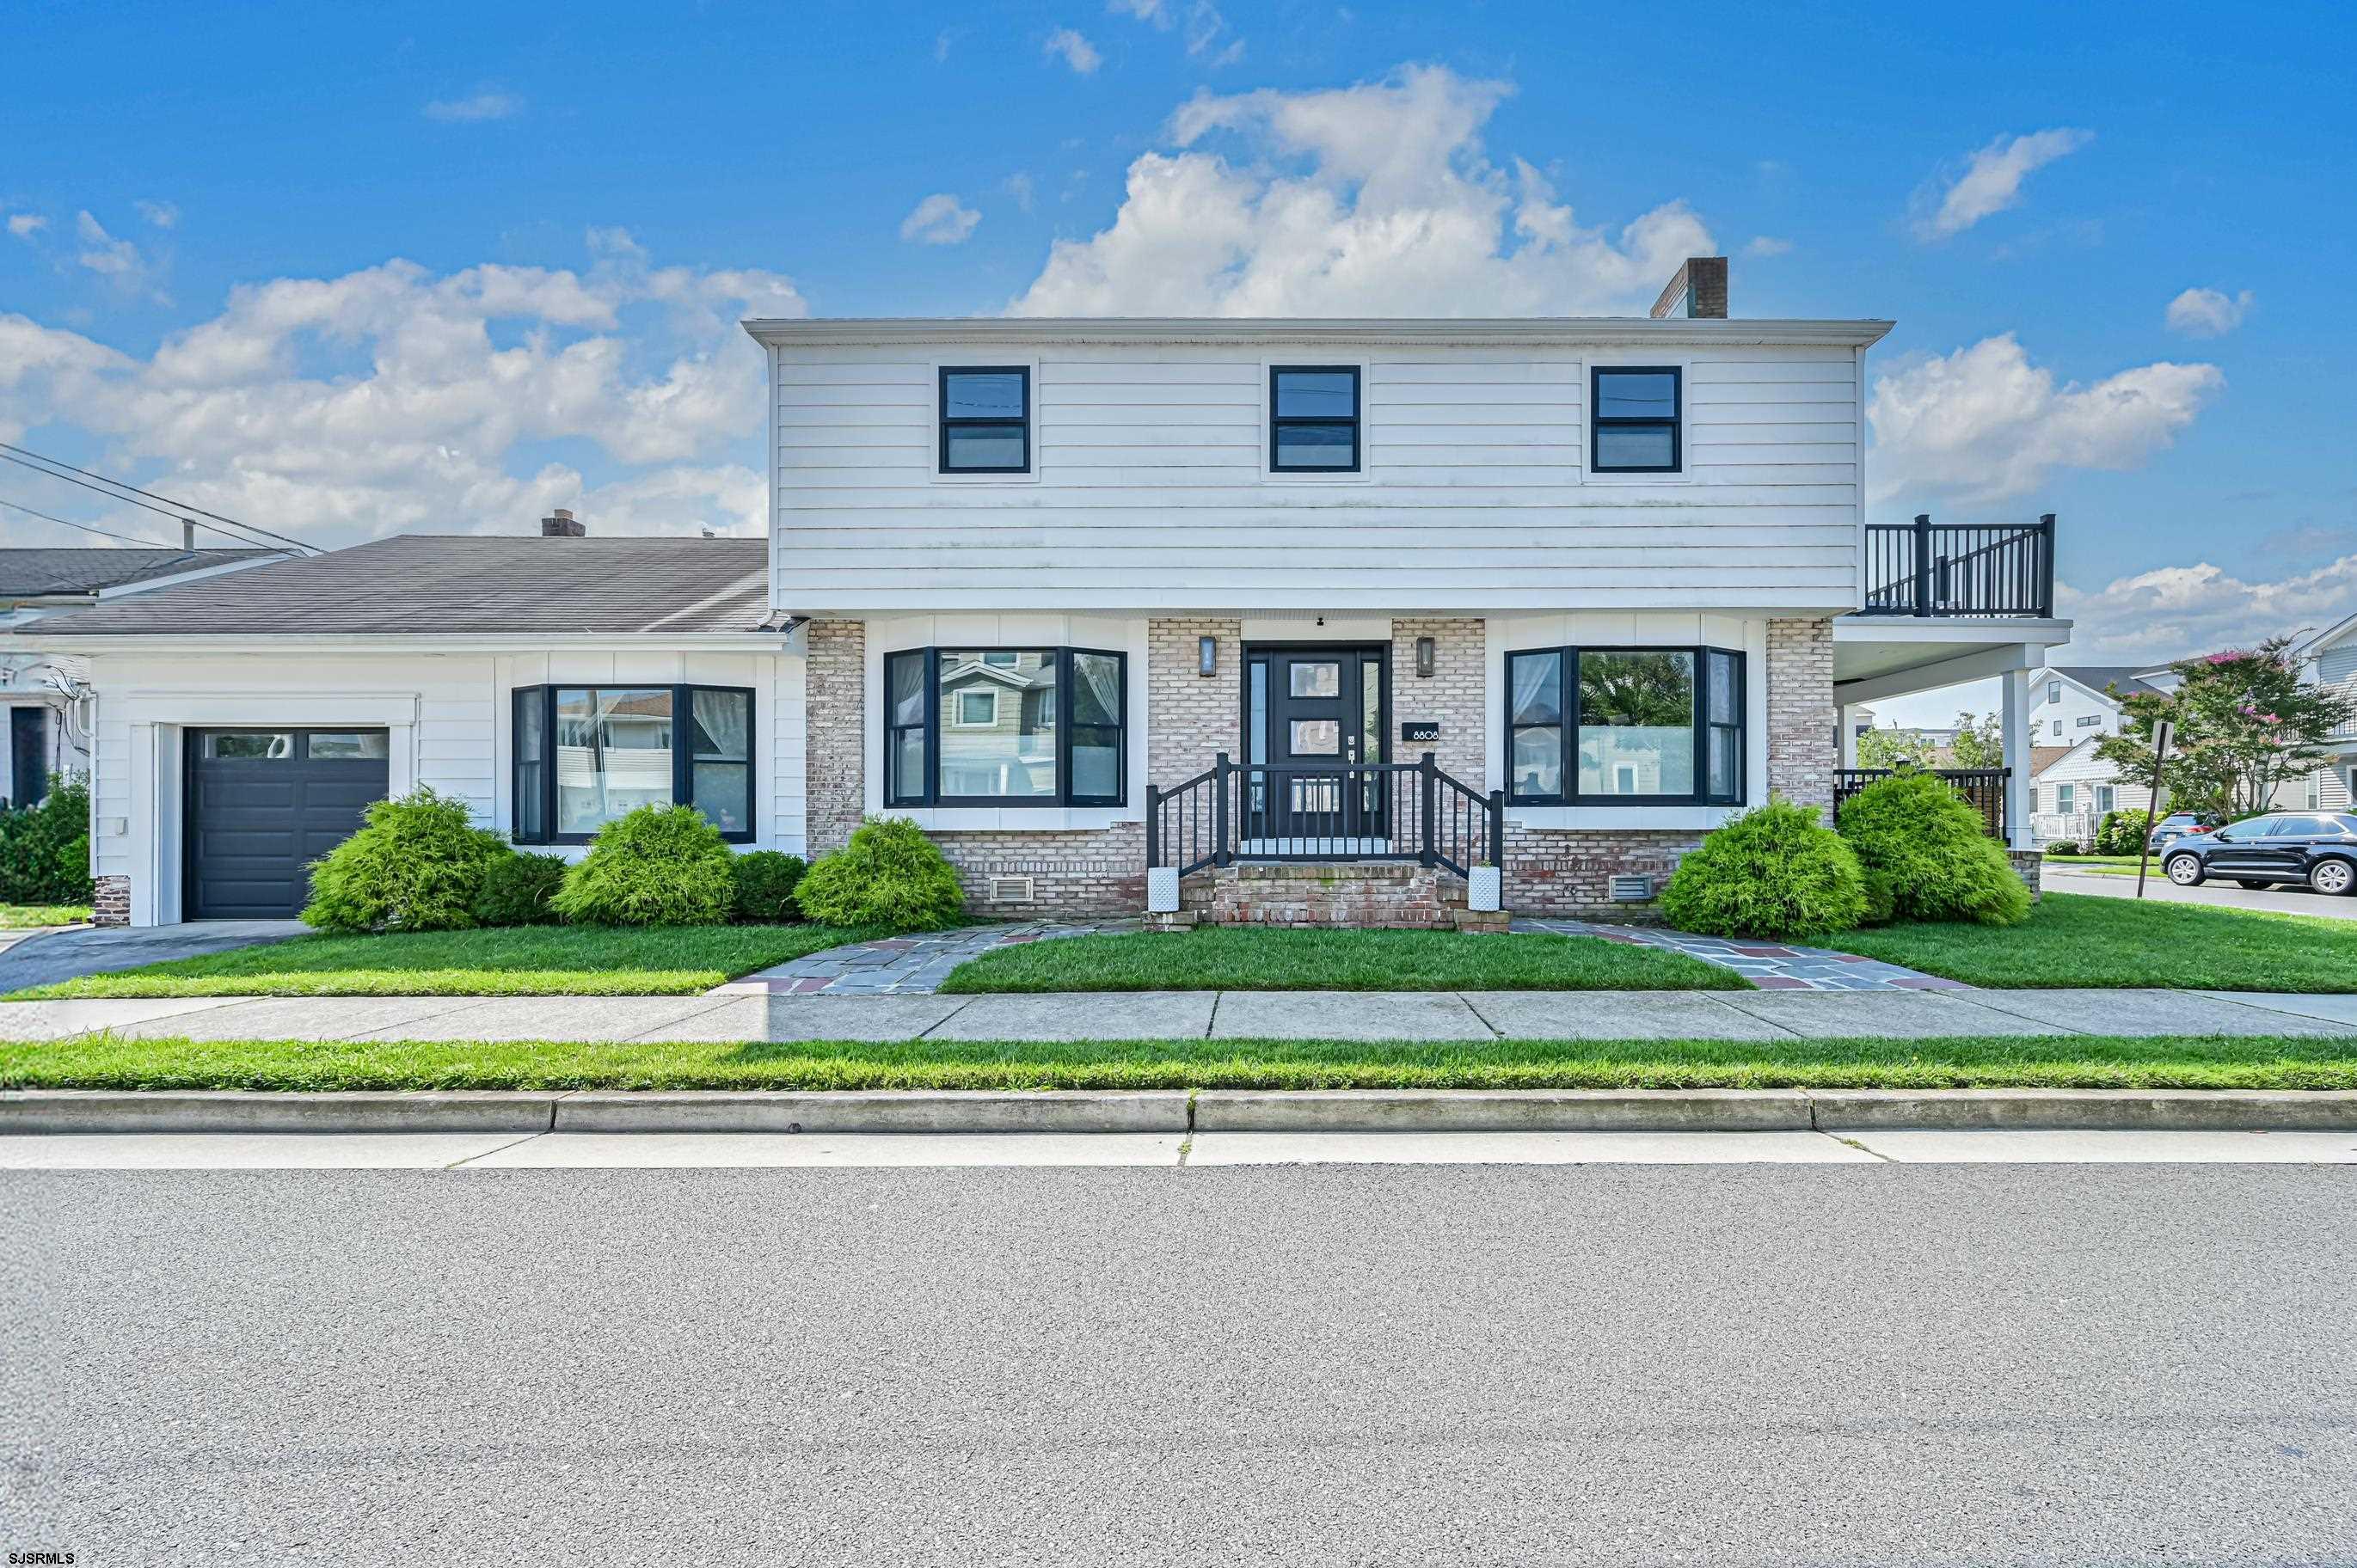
[
  {"x": 2330, "y": 659},
  {"x": 2077, "y": 701},
  {"x": 44, "y": 733},
  {"x": 1027, "y": 579},
  {"x": 2074, "y": 789},
  {"x": 2077, "y": 705}
]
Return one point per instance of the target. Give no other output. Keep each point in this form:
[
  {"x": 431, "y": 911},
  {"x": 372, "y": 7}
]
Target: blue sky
[{"x": 586, "y": 199}]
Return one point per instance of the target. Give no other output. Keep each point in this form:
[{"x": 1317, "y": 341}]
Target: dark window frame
[
  {"x": 1597, "y": 423},
  {"x": 896, "y": 795},
  {"x": 1568, "y": 727},
  {"x": 683, "y": 754},
  {"x": 948, "y": 422},
  {"x": 1356, "y": 421}
]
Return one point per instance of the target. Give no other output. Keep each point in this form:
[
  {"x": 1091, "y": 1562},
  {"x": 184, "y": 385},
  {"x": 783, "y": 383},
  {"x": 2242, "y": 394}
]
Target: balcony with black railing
[{"x": 1960, "y": 570}]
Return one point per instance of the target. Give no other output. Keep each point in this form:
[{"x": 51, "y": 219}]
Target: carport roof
[{"x": 417, "y": 583}]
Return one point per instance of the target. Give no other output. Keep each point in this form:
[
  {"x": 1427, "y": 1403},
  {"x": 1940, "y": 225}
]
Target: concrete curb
[{"x": 1171, "y": 1111}]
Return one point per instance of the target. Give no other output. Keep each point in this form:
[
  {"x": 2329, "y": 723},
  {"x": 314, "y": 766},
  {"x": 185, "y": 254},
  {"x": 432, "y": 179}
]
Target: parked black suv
[
  {"x": 2178, "y": 824},
  {"x": 2319, "y": 848}
]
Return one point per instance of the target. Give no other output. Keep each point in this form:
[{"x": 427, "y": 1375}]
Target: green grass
[
  {"x": 16, "y": 917},
  {"x": 111, "y": 1062},
  {"x": 527, "y": 960},
  {"x": 2086, "y": 940},
  {"x": 1234, "y": 959}
]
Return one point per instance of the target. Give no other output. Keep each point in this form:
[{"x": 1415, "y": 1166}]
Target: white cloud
[
  {"x": 1023, "y": 188},
  {"x": 25, "y": 225},
  {"x": 491, "y": 103},
  {"x": 1205, "y": 33},
  {"x": 161, "y": 214},
  {"x": 1153, "y": 11},
  {"x": 2182, "y": 610},
  {"x": 1984, "y": 423},
  {"x": 1073, "y": 50},
  {"x": 118, "y": 261},
  {"x": 1376, "y": 199},
  {"x": 1991, "y": 181},
  {"x": 940, "y": 219},
  {"x": 394, "y": 398},
  {"x": 1767, "y": 245},
  {"x": 2208, "y": 313}
]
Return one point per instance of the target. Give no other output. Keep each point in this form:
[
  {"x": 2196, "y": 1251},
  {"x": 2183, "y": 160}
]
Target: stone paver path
[
  {"x": 1772, "y": 966},
  {"x": 911, "y": 966}
]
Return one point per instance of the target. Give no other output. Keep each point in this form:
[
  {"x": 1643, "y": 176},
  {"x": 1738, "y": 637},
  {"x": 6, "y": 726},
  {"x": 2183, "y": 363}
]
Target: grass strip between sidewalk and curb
[
  {"x": 106, "y": 1061},
  {"x": 511, "y": 961},
  {"x": 1261, "y": 958}
]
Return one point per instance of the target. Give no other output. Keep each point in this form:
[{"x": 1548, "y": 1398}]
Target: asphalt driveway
[
  {"x": 44, "y": 957},
  {"x": 2284, "y": 900}
]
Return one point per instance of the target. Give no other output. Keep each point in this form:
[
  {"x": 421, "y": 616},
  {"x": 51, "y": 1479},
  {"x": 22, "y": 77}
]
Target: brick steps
[{"x": 1346, "y": 895}]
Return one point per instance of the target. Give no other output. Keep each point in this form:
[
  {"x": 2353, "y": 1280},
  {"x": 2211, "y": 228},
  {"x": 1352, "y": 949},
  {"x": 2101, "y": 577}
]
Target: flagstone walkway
[{"x": 1772, "y": 966}]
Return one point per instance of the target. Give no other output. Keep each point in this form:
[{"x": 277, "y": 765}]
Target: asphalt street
[
  {"x": 1451, "y": 1364},
  {"x": 2285, "y": 898}
]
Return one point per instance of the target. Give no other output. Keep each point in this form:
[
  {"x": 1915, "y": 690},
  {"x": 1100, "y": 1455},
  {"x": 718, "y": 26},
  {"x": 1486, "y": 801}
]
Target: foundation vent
[
  {"x": 1632, "y": 889},
  {"x": 1011, "y": 890}
]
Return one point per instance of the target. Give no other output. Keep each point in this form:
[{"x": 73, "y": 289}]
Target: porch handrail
[
  {"x": 1323, "y": 812},
  {"x": 1926, "y": 569}
]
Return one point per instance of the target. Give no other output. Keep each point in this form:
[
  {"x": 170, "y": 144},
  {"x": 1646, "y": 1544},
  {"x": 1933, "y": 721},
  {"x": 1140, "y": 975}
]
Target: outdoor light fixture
[
  {"x": 1423, "y": 658},
  {"x": 1207, "y": 653}
]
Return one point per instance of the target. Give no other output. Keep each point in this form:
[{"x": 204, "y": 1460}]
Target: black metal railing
[
  {"x": 1984, "y": 787},
  {"x": 1323, "y": 812},
  {"x": 1923, "y": 568}
]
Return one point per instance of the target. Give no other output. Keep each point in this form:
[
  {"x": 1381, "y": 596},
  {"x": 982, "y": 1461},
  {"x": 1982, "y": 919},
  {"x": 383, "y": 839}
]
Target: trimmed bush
[
  {"x": 765, "y": 886},
  {"x": 517, "y": 889},
  {"x": 890, "y": 873},
  {"x": 1882, "y": 899},
  {"x": 1777, "y": 873},
  {"x": 2063, "y": 846},
  {"x": 2122, "y": 833},
  {"x": 417, "y": 866},
  {"x": 1932, "y": 844},
  {"x": 45, "y": 848},
  {"x": 659, "y": 865}
]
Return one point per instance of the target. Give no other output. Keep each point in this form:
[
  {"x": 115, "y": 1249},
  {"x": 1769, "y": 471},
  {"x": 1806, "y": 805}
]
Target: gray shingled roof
[
  {"x": 422, "y": 584},
  {"x": 2103, "y": 677},
  {"x": 33, "y": 574}
]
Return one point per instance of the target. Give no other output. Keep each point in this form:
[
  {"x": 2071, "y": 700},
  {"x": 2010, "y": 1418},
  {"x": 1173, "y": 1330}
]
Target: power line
[
  {"x": 183, "y": 506},
  {"x": 86, "y": 528}
]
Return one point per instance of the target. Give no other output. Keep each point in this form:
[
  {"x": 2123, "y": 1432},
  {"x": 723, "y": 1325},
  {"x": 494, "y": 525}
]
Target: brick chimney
[
  {"x": 1699, "y": 289},
  {"x": 562, "y": 524}
]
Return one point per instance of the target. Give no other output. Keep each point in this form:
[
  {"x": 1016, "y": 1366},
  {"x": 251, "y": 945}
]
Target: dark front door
[
  {"x": 28, "y": 755},
  {"x": 1315, "y": 715},
  {"x": 263, "y": 805}
]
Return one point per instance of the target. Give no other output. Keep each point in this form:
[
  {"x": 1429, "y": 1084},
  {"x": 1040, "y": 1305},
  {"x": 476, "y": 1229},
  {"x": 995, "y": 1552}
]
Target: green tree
[
  {"x": 2246, "y": 724},
  {"x": 1892, "y": 747},
  {"x": 1980, "y": 743}
]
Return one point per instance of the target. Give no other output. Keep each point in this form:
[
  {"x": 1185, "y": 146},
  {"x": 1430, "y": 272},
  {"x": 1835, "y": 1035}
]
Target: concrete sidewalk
[{"x": 1469, "y": 1016}]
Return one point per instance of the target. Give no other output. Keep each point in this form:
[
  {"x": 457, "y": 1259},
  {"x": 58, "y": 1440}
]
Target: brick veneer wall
[
  {"x": 111, "y": 901},
  {"x": 835, "y": 738},
  {"x": 1190, "y": 718},
  {"x": 1803, "y": 726},
  {"x": 2029, "y": 864},
  {"x": 1092, "y": 872},
  {"x": 1453, "y": 695}
]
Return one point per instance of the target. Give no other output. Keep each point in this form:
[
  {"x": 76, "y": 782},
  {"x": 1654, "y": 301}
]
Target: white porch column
[
  {"x": 2015, "y": 711},
  {"x": 1847, "y": 723}
]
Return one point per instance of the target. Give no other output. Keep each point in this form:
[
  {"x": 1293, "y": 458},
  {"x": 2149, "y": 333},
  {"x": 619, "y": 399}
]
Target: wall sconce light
[
  {"x": 1423, "y": 658},
  {"x": 1207, "y": 656}
]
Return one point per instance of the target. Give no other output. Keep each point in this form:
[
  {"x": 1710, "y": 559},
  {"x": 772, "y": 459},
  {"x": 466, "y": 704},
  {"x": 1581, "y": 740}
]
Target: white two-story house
[
  {"x": 2330, "y": 659},
  {"x": 1089, "y": 597}
]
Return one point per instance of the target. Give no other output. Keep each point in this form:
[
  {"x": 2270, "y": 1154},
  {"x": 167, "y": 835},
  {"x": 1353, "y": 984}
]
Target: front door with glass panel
[{"x": 1309, "y": 710}]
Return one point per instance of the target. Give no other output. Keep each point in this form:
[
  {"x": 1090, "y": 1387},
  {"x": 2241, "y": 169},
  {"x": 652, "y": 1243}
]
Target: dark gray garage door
[{"x": 263, "y": 805}]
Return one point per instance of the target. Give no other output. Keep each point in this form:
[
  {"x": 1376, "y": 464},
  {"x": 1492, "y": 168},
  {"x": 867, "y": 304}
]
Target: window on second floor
[
  {"x": 2089, "y": 720},
  {"x": 986, "y": 419},
  {"x": 1635, "y": 419},
  {"x": 2053, "y": 690},
  {"x": 1313, "y": 419}
]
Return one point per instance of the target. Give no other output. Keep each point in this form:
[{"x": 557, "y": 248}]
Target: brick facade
[
  {"x": 2029, "y": 864},
  {"x": 1092, "y": 872},
  {"x": 111, "y": 901},
  {"x": 1387, "y": 897},
  {"x": 1569, "y": 871},
  {"x": 1451, "y": 696},
  {"x": 1803, "y": 726},
  {"x": 1192, "y": 717},
  {"x": 837, "y": 741}
]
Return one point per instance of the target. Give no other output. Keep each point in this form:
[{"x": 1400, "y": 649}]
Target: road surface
[
  {"x": 2234, "y": 895},
  {"x": 1452, "y": 1364}
]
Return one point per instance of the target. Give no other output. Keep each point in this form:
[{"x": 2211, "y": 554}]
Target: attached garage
[{"x": 262, "y": 804}]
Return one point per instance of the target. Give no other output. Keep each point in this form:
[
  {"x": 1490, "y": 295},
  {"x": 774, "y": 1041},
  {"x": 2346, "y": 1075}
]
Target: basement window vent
[
  {"x": 1632, "y": 889},
  {"x": 1010, "y": 890}
]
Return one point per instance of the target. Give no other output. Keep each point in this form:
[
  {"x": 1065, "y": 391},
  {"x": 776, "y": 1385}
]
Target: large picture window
[
  {"x": 1026, "y": 726},
  {"x": 1624, "y": 726},
  {"x": 586, "y": 755}
]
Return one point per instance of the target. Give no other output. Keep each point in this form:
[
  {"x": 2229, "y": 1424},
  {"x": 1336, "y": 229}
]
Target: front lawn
[
  {"x": 2084, "y": 940},
  {"x": 17, "y": 916},
  {"x": 2072, "y": 1061},
  {"x": 1223, "y": 958},
  {"x": 518, "y": 960}
]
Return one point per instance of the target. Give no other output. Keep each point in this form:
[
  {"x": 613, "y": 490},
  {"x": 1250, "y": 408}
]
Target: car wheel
[
  {"x": 2334, "y": 877},
  {"x": 2185, "y": 870}
]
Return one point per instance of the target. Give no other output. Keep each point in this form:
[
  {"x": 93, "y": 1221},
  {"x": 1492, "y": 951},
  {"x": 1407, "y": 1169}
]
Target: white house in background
[
  {"x": 2076, "y": 706},
  {"x": 1084, "y": 597},
  {"x": 2330, "y": 659},
  {"x": 46, "y": 731}
]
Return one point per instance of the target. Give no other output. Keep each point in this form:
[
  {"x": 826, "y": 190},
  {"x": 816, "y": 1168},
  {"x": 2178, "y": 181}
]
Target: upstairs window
[
  {"x": 1634, "y": 424},
  {"x": 1625, "y": 726},
  {"x": 986, "y": 419},
  {"x": 1032, "y": 726},
  {"x": 586, "y": 755},
  {"x": 1313, "y": 419}
]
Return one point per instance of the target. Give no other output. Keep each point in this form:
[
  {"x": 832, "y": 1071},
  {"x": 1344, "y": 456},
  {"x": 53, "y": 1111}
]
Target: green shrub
[
  {"x": 659, "y": 865},
  {"x": 2063, "y": 846},
  {"x": 416, "y": 865},
  {"x": 765, "y": 886},
  {"x": 890, "y": 873},
  {"x": 1882, "y": 899},
  {"x": 45, "y": 848},
  {"x": 517, "y": 889},
  {"x": 1777, "y": 873},
  {"x": 1933, "y": 844},
  {"x": 2122, "y": 833}
]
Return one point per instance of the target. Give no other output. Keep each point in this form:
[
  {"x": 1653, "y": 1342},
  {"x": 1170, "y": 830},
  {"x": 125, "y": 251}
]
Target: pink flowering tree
[{"x": 2246, "y": 723}]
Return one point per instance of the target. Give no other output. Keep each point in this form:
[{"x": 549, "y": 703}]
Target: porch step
[{"x": 1344, "y": 893}]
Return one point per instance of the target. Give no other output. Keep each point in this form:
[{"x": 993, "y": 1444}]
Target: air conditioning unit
[
  {"x": 1010, "y": 890},
  {"x": 1632, "y": 889}
]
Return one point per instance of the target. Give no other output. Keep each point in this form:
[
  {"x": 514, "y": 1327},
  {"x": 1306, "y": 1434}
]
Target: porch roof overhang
[{"x": 1880, "y": 657}]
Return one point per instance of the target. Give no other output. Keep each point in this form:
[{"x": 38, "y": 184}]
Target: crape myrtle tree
[{"x": 2245, "y": 726}]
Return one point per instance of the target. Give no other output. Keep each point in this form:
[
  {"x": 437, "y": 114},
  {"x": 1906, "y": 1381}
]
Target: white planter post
[{"x": 1483, "y": 886}]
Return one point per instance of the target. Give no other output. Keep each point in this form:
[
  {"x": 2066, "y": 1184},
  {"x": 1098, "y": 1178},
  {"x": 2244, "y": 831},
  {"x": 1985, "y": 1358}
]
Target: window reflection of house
[
  {"x": 613, "y": 754},
  {"x": 998, "y": 724}
]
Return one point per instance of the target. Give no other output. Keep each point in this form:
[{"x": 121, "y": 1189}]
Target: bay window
[
  {"x": 1026, "y": 726},
  {"x": 1624, "y": 726},
  {"x": 586, "y": 755}
]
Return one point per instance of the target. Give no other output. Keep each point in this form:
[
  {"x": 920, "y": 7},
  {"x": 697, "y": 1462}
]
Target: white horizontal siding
[{"x": 1151, "y": 491}]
